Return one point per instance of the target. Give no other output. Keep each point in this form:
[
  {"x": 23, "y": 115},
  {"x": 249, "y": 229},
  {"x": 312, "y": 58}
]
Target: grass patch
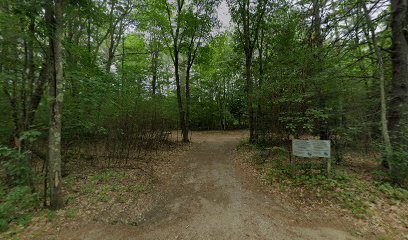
[
  {"x": 108, "y": 175},
  {"x": 137, "y": 188},
  {"x": 71, "y": 212},
  {"x": 245, "y": 144},
  {"x": 345, "y": 189},
  {"x": 104, "y": 195},
  {"x": 50, "y": 215},
  {"x": 392, "y": 192},
  {"x": 112, "y": 185}
]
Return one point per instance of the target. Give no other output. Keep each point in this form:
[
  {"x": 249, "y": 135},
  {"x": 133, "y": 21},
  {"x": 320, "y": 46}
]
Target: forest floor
[{"x": 205, "y": 190}]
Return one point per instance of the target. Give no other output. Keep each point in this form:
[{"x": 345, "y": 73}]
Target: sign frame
[{"x": 312, "y": 149}]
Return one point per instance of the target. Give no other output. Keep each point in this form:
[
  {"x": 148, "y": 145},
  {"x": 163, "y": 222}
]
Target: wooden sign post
[{"x": 312, "y": 149}]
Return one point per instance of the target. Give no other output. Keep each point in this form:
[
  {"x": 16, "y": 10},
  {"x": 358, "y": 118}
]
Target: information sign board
[{"x": 311, "y": 148}]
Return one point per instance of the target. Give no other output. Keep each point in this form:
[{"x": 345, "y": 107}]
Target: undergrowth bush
[
  {"x": 15, "y": 166},
  {"x": 344, "y": 188},
  {"x": 399, "y": 167},
  {"x": 17, "y": 205},
  {"x": 17, "y": 198}
]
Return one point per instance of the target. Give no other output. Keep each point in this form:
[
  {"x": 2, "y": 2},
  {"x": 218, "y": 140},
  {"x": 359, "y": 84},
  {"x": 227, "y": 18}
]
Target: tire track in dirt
[{"x": 207, "y": 199}]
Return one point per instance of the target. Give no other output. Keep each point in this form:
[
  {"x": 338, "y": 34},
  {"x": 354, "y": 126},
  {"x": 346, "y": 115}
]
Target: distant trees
[
  {"x": 24, "y": 65},
  {"x": 317, "y": 68},
  {"x": 379, "y": 74},
  {"x": 248, "y": 16},
  {"x": 319, "y": 57},
  {"x": 118, "y": 21},
  {"x": 175, "y": 48},
  {"x": 218, "y": 96},
  {"x": 184, "y": 27},
  {"x": 32, "y": 59}
]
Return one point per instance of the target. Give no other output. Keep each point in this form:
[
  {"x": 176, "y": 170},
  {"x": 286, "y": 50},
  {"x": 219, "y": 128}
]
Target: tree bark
[
  {"x": 380, "y": 75},
  {"x": 56, "y": 93},
  {"x": 249, "y": 37},
  {"x": 250, "y": 94},
  {"x": 155, "y": 60},
  {"x": 182, "y": 113},
  {"x": 188, "y": 100},
  {"x": 31, "y": 72},
  {"x": 260, "y": 82},
  {"x": 399, "y": 99},
  {"x": 398, "y": 117},
  {"x": 22, "y": 87},
  {"x": 176, "y": 61}
]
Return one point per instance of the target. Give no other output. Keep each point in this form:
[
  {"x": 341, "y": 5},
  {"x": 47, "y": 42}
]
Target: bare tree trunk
[
  {"x": 31, "y": 72},
  {"x": 154, "y": 48},
  {"x": 380, "y": 75},
  {"x": 111, "y": 39},
  {"x": 248, "y": 50},
  {"x": 398, "y": 118},
  {"x": 224, "y": 104},
  {"x": 182, "y": 113},
  {"x": 188, "y": 99},
  {"x": 10, "y": 55},
  {"x": 38, "y": 89},
  {"x": 115, "y": 34},
  {"x": 249, "y": 37},
  {"x": 399, "y": 100},
  {"x": 317, "y": 45},
  {"x": 25, "y": 100},
  {"x": 14, "y": 101},
  {"x": 88, "y": 35},
  {"x": 175, "y": 53},
  {"x": 56, "y": 87},
  {"x": 260, "y": 82},
  {"x": 155, "y": 60},
  {"x": 250, "y": 94}
]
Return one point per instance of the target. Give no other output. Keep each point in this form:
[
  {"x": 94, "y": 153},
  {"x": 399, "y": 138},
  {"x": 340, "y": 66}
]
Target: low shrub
[{"x": 17, "y": 205}]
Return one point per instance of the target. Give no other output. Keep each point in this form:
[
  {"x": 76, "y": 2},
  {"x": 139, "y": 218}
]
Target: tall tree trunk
[
  {"x": 380, "y": 75},
  {"x": 398, "y": 118},
  {"x": 155, "y": 59},
  {"x": 224, "y": 104},
  {"x": 188, "y": 98},
  {"x": 182, "y": 113},
  {"x": 15, "y": 103},
  {"x": 251, "y": 24},
  {"x": 175, "y": 52},
  {"x": 88, "y": 35},
  {"x": 248, "y": 49},
  {"x": 317, "y": 47},
  {"x": 399, "y": 99},
  {"x": 111, "y": 38},
  {"x": 317, "y": 24},
  {"x": 38, "y": 89},
  {"x": 259, "y": 116},
  {"x": 250, "y": 95},
  {"x": 31, "y": 71},
  {"x": 56, "y": 87}
]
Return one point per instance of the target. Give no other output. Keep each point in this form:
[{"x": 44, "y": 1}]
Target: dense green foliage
[
  {"x": 136, "y": 70},
  {"x": 17, "y": 197}
]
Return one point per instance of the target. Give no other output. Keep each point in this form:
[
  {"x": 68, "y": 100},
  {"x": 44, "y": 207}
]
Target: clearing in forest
[{"x": 210, "y": 196}]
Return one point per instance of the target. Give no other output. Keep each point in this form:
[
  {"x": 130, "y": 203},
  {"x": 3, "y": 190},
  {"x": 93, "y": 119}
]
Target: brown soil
[{"x": 210, "y": 196}]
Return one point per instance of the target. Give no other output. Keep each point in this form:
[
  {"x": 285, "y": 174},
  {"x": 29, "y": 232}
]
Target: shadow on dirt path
[{"x": 208, "y": 199}]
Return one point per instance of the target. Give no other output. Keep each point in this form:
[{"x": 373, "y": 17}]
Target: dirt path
[{"x": 208, "y": 198}]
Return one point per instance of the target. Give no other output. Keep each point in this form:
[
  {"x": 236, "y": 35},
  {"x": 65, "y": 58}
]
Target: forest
[{"x": 94, "y": 87}]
